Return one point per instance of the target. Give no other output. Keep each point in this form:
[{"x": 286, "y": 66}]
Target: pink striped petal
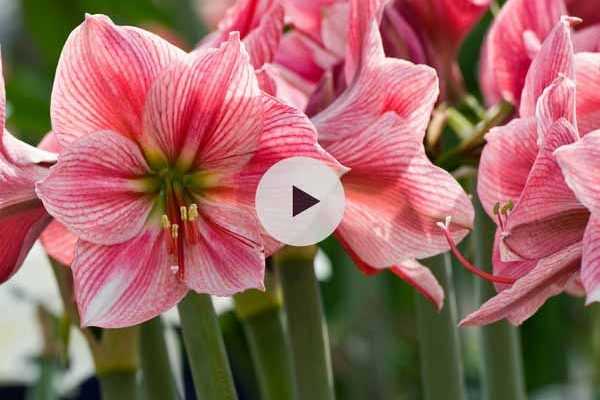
[
  {"x": 260, "y": 25},
  {"x": 125, "y": 284},
  {"x": 590, "y": 263},
  {"x": 59, "y": 243},
  {"x": 390, "y": 86},
  {"x": 506, "y": 162},
  {"x": 284, "y": 84},
  {"x": 547, "y": 216},
  {"x": 400, "y": 40},
  {"x": 505, "y": 53},
  {"x": 92, "y": 190},
  {"x": 580, "y": 164},
  {"x": 530, "y": 292},
  {"x": 421, "y": 278},
  {"x": 555, "y": 58},
  {"x": 395, "y": 196},
  {"x": 511, "y": 269},
  {"x": 103, "y": 76},
  {"x": 229, "y": 256},
  {"x": 207, "y": 108},
  {"x": 365, "y": 45},
  {"x": 18, "y": 232},
  {"x": 557, "y": 102},
  {"x": 587, "y": 67},
  {"x": 287, "y": 132}
]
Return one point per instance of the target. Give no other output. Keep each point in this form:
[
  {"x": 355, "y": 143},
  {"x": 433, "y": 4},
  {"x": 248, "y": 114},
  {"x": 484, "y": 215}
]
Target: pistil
[{"x": 445, "y": 226}]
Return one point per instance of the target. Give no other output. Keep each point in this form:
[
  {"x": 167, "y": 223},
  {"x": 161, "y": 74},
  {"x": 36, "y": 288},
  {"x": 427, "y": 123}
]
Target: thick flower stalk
[
  {"x": 541, "y": 223},
  {"x": 160, "y": 189}
]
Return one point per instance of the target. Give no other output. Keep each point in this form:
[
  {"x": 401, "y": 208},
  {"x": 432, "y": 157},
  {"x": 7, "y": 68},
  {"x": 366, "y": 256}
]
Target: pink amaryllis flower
[
  {"x": 22, "y": 216},
  {"x": 540, "y": 222},
  {"x": 394, "y": 194},
  {"x": 431, "y": 32},
  {"x": 160, "y": 189},
  {"x": 516, "y": 36}
]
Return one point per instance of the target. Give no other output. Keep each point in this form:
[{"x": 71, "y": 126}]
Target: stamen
[
  {"x": 174, "y": 231},
  {"x": 164, "y": 222},
  {"x": 192, "y": 212},
  {"x": 445, "y": 226},
  {"x": 183, "y": 211}
]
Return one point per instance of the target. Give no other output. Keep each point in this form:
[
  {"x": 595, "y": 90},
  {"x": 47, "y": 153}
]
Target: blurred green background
[{"x": 371, "y": 319}]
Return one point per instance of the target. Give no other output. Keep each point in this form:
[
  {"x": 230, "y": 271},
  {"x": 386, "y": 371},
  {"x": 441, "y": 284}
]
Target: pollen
[
  {"x": 164, "y": 222},
  {"x": 192, "y": 212},
  {"x": 183, "y": 211},
  {"x": 174, "y": 231}
]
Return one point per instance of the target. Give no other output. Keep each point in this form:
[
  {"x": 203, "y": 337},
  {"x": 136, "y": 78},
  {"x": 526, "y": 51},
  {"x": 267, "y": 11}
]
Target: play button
[{"x": 300, "y": 201}]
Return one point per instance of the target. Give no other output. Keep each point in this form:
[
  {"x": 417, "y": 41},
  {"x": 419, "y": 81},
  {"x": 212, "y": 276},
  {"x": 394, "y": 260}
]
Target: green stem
[
  {"x": 205, "y": 348},
  {"x": 502, "y": 364},
  {"x": 119, "y": 385},
  {"x": 159, "y": 382},
  {"x": 439, "y": 344},
  {"x": 261, "y": 317},
  {"x": 306, "y": 326},
  {"x": 495, "y": 116}
]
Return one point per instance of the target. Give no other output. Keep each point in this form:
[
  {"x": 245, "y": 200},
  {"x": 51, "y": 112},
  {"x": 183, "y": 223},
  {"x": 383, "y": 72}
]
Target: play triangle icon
[{"x": 301, "y": 201}]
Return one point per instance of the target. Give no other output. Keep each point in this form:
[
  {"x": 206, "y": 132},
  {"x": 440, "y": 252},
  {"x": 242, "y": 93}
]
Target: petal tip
[
  {"x": 570, "y": 21},
  {"x": 593, "y": 297}
]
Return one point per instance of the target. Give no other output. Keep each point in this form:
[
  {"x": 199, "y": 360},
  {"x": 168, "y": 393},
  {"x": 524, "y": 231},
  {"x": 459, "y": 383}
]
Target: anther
[
  {"x": 174, "y": 268},
  {"x": 174, "y": 231},
  {"x": 164, "y": 222},
  {"x": 184, "y": 213},
  {"x": 192, "y": 212}
]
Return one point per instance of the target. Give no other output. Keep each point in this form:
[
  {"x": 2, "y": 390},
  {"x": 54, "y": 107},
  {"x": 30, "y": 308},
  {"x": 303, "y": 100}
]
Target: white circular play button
[{"x": 300, "y": 201}]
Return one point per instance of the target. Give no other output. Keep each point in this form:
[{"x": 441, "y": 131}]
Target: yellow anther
[
  {"x": 192, "y": 212},
  {"x": 164, "y": 222},
  {"x": 174, "y": 231},
  {"x": 184, "y": 213}
]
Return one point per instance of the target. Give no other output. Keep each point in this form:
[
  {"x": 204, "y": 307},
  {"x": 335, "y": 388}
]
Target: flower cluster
[{"x": 146, "y": 185}]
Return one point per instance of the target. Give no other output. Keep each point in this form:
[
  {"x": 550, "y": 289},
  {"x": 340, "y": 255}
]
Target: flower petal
[
  {"x": 587, "y": 67},
  {"x": 103, "y": 76},
  {"x": 547, "y": 216},
  {"x": 260, "y": 25},
  {"x": 580, "y": 164},
  {"x": 555, "y": 58},
  {"x": 587, "y": 39},
  {"x": 590, "y": 263},
  {"x": 395, "y": 196},
  {"x": 229, "y": 256},
  {"x": 125, "y": 284},
  {"x": 92, "y": 189},
  {"x": 506, "y": 162},
  {"x": 506, "y": 57},
  {"x": 59, "y": 243},
  {"x": 510, "y": 269},
  {"x": 421, "y": 278},
  {"x": 18, "y": 233},
  {"x": 365, "y": 45},
  {"x": 391, "y": 86},
  {"x": 530, "y": 292},
  {"x": 206, "y": 108}
]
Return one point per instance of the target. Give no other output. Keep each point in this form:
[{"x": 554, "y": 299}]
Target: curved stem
[
  {"x": 306, "y": 326},
  {"x": 439, "y": 344},
  {"x": 205, "y": 348},
  {"x": 502, "y": 364},
  {"x": 158, "y": 382},
  {"x": 118, "y": 385}
]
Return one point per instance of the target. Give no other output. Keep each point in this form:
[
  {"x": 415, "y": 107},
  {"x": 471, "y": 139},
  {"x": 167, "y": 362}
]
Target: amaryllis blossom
[
  {"x": 541, "y": 224},
  {"x": 431, "y": 32},
  {"x": 260, "y": 25},
  {"x": 394, "y": 194},
  {"x": 160, "y": 189},
  {"x": 22, "y": 216},
  {"x": 516, "y": 36}
]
